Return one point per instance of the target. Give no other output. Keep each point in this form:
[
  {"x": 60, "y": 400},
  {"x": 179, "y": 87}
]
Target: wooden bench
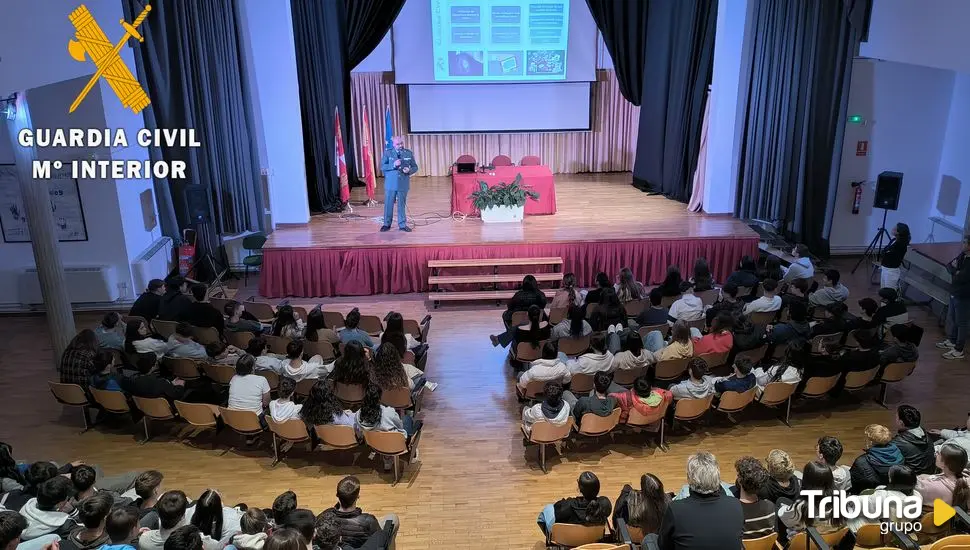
[
  {"x": 493, "y": 279},
  {"x": 489, "y": 262},
  {"x": 489, "y": 279},
  {"x": 497, "y": 295}
]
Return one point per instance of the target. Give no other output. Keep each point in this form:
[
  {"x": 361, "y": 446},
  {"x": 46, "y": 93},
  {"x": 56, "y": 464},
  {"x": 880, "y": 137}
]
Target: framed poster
[{"x": 65, "y": 200}]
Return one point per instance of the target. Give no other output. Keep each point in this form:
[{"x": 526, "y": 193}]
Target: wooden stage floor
[{"x": 590, "y": 207}]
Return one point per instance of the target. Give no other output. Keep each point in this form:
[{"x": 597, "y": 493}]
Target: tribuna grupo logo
[{"x": 891, "y": 512}]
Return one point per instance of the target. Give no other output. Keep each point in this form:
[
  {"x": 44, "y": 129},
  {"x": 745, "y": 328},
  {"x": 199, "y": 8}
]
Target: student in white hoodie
[
  {"x": 552, "y": 409},
  {"x": 698, "y": 385},
  {"x": 182, "y": 345},
  {"x": 12, "y": 527},
  {"x": 255, "y": 530},
  {"x": 265, "y": 360},
  {"x": 771, "y": 301},
  {"x": 688, "y": 308},
  {"x": 45, "y": 513},
  {"x": 138, "y": 339},
  {"x": 298, "y": 369},
  {"x": 596, "y": 360},
  {"x": 283, "y": 408},
  {"x": 551, "y": 366},
  {"x": 802, "y": 267},
  {"x": 960, "y": 438}
]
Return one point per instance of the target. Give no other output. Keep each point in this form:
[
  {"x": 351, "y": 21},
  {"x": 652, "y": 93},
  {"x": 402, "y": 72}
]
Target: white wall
[
  {"x": 922, "y": 32},
  {"x": 952, "y": 190},
  {"x": 905, "y": 108}
]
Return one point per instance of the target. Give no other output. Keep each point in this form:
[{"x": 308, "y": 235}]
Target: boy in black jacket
[{"x": 913, "y": 441}]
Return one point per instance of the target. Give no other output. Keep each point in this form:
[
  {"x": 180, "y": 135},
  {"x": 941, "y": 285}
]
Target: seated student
[
  {"x": 741, "y": 380},
  {"x": 797, "y": 292},
  {"x": 44, "y": 513},
  {"x": 901, "y": 350},
  {"x": 221, "y": 354},
  {"x": 148, "y": 383},
  {"x": 527, "y": 296},
  {"x": 862, "y": 358},
  {"x": 373, "y": 416},
  {"x": 747, "y": 335},
  {"x": 201, "y": 313},
  {"x": 902, "y": 484},
  {"x": 146, "y": 306},
  {"x": 215, "y": 521},
  {"x": 322, "y": 407},
  {"x": 642, "y": 396},
  {"x": 598, "y": 359},
  {"x": 950, "y": 485},
  {"x": 121, "y": 526},
  {"x": 138, "y": 339},
  {"x": 296, "y": 368},
  {"x": 746, "y": 275},
  {"x": 254, "y": 531},
  {"x": 287, "y": 323},
  {"x": 264, "y": 359},
  {"x": 283, "y": 504},
  {"x": 688, "y": 308},
  {"x": 587, "y": 509},
  {"x": 656, "y": 314},
  {"x": 759, "y": 513},
  {"x": 237, "y": 322},
  {"x": 628, "y": 289},
  {"x": 616, "y": 316},
  {"x": 782, "y": 481},
  {"x": 595, "y": 295},
  {"x": 351, "y": 332},
  {"x": 182, "y": 344},
  {"x": 35, "y": 475},
  {"x": 598, "y": 402},
  {"x": 101, "y": 375},
  {"x": 769, "y": 302},
  {"x": 327, "y": 535},
  {"x": 832, "y": 290},
  {"x": 829, "y": 450},
  {"x": 316, "y": 329},
  {"x": 351, "y": 368},
  {"x": 834, "y": 323},
  {"x": 111, "y": 332},
  {"x": 642, "y": 508},
  {"x": 78, "y": 358},
  {"x": 148, "y": 487},
  {"x": 12, "y": 527},
  {"x": 719, "y": 339},
  {"x": 913, "y": 441},
  {"x": 283, "y": 408},
  {"x": 567, "y": 296},
  {"x": 248, "y": 391},
  {"x": 707, "y": 517},
  {"x": 771, "y": 270},
  {"x": 175, "y": 300},
  {"x": 892, "y": 310},
  {"x": 171, "y": 508},
  {"x": 797, "y": 328},
  {"x": 864, "y": 321},
  {"x": 573, "y": 326},
  {"x": 83, "y": 479},
  {"x": 388, "y": 372},
  {"x": 702, "y": 278},
  {"x": 871, "y": 468},
  {"x": 960, "y": 438},
  {"x": 92, "y": 513},
  {"x": 551, "y": 367},
  {"x": 672, "y": 283},
  {"x": 802, "y": 267},
  {"x": 534, "y": 331},
  {"x": 788, "y": 370},
  {"x": 552, "y": 409},
  {"x": 681, "y": 345},
  {"x": 628, "y": 352},
  {"x": 698, "y": 384},
  {"x": 355, "y": 525},
  {"x": 727, "y": 302},
  {"x": 816, "y": 476}
]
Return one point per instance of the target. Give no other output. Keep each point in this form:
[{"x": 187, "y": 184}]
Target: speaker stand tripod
[{"x": 874, "y": 250}]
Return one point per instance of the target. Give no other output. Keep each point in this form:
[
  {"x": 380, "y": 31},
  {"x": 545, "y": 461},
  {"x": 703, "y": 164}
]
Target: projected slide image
[
  {"x": 505, "y": 64},
  {"x": 464, "y": 64},
  {"x": 546, "y": 62}
]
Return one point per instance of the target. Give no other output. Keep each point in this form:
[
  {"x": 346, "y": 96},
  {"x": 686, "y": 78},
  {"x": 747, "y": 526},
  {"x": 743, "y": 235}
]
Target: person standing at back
[
  {"x": 892, "y": 256},
  {"x": 397, "y": 164},
  {"x": 958, "y": 314}
]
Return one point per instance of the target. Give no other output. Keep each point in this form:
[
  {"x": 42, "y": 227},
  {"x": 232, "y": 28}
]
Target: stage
[{"x": 602, "y": 224}]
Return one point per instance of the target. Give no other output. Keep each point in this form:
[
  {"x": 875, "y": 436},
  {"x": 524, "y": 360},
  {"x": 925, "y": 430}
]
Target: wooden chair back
[
  {"x": 818, "y": 386},
  {"x": 293, "y": 429},
  {"x": 156, "y": 408},
  {"x": 692, "y": 409},
  {"x": 581, "y": 384},
  {"x": 277, "y": 344},
  {"x": 304, "y": 386},
  {"x": 776, "y": 393},
  {"x": 604, "y": 546},
  {"x": 832, "y": 539},
  {"x": 337, "y": 436},
  {"x": 386, "y": 443},
  {"x": 556, "y": 315},
  {"x": 574, "y": 346},
  {"x": 323, "y": 349},
  {"x": 413, "y": 328},
  {"x": 501, "y": 160},
  {"x": 732, "y": 401},
  {"x": 754, "y": 355},
  {"x": 244, "y": 422},
  {"x": 953, "y": 542},
  {"x": 261, "y": 310},
  {"x": 333, "y": 319},
  {"x": 644, "y": 331},
  {"x": 850, "y": 339},
  {"x": 636, "y": 534},
  {"x": 762, "y": 318},
  {"x": 714, "y": 360},
  {"x": 219, "y": 303},
  {"x": 164, "y": 328},
  {"x": 855, "y": 381},
  {"x": 534, "y": 389},
  {"x": 525, "y": 352},
  {"x": 206, "y": 335},
  {"x": 708, "y": 297},
  {"x": 869, "y": 536},
  {"x": 239, "y": 339},
  {"x": 744, "y": 291},
  {"x": 895, "y": 372},
  {"x": 69, "y": 394},
  {"x": 272, "y": 378},
  {"x": 182, "y": 367},
  {"x": 826, "y": 341},
  {"x": 547, "y": 432},
  {"x": 635, "y": 307},
  {"x": 763, "y": 543},
  {"x": 397, "y": 398},
  {"x": 220, "y": 374},
  {"x": 408, "y": 358},
  {"x": 371, "y": 324},
  {"x": 571, "y": 535},
  {"x": 111, "y": 401},
  {"x": 626, "y": 377},
  {"x": 196, "y": 414},
  {"x": 349, "y": 394},
  {"x": 301, "y": 311},
  {"x": 668, "y": 301},
  {"x": 699, "y": 324},
  {"x": 519, "y": 318},
  {"x": 594, "y": 425},
  {"x": 640, "y": 420},
  {"x": 129, "y": 318},
  {"x": 670, "y": 369}
]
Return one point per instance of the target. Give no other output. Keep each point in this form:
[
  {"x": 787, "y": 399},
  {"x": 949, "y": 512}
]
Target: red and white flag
[
  {"x": 341, "y": 162},
  {"x": 369, "y": 178}
]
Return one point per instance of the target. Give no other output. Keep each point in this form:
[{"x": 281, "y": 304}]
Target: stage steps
[{"x": 494, "y": 278}]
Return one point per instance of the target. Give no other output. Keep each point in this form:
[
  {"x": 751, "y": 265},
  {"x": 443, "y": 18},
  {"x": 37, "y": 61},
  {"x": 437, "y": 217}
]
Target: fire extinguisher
[
  {"x": 857, "y": 197},
  {"x": 186, "y": 252}
]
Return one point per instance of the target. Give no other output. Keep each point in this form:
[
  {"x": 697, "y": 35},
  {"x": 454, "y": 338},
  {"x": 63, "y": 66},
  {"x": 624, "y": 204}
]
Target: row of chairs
[
  {"x": 501, "y": 160},
  {"x": 204, "y": 416}
]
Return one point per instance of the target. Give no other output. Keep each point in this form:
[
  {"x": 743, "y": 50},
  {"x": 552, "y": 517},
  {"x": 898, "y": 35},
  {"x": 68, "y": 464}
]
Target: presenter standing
[{"x": 398, "y": 165}]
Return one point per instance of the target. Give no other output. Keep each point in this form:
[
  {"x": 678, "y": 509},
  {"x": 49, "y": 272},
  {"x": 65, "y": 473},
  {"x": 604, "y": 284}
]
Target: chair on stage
[
  {"x": 501, "y": 160},
  {"x": 466, "y": 158},
  {"x": 530, "y": 160}
]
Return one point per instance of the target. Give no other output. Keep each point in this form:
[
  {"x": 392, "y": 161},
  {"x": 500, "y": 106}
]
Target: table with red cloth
[{"x": 538, "y": 178}]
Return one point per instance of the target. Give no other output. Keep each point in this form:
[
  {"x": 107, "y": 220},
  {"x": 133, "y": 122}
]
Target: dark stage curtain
[
  {"x": 192, "y": 62},
  {"x": 797, "y": 90},
  {"x": 679, "y": 57},
  {"x": 331, "y": 38},
  {"x": 623, "y": 24}
]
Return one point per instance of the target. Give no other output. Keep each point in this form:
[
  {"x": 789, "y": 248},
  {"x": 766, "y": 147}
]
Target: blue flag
[{"x": 388, "y": 129}]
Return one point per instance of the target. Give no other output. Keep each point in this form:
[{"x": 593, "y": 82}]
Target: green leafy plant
[{"x": 503, "y": 194}]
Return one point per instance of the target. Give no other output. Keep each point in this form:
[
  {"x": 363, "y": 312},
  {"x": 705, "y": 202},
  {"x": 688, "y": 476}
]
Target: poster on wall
[{"x": 65, "y": 205}]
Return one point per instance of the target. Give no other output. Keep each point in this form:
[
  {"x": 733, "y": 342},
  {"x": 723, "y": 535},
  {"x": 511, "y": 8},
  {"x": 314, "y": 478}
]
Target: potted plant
[{"x": 504, "y": 202}]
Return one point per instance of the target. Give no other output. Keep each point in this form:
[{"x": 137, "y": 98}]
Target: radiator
[
  {"x": 84, "y": 284},
  {"x": 154, "y": 263}
]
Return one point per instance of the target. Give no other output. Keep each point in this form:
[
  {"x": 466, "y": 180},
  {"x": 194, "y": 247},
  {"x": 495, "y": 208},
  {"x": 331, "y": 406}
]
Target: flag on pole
[
  {"x": 341, "y": 162},
  {"x": 388, "y": 129},
  {"x": 368, "y": 158}
]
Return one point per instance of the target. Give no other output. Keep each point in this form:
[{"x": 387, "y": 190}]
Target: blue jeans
[
  {"x": 546, "y": 518},
  {"x": 958, "y": 321},
  {"x": 401, "y": 195},
  {"x": 654, "y": 341}
]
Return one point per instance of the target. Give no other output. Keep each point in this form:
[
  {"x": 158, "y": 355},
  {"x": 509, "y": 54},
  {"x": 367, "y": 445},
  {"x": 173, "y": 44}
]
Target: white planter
[{"x": 503, "y": 214}]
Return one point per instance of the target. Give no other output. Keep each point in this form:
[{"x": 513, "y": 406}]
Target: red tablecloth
[{"x": 539, "y": 178}]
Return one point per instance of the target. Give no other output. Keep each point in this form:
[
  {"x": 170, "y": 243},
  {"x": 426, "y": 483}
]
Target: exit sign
[{"x": 856, "y": 119}]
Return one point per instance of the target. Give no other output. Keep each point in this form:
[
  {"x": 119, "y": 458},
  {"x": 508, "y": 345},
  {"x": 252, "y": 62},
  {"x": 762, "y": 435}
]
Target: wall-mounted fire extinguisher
[{"x": 857, "y": 196}]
